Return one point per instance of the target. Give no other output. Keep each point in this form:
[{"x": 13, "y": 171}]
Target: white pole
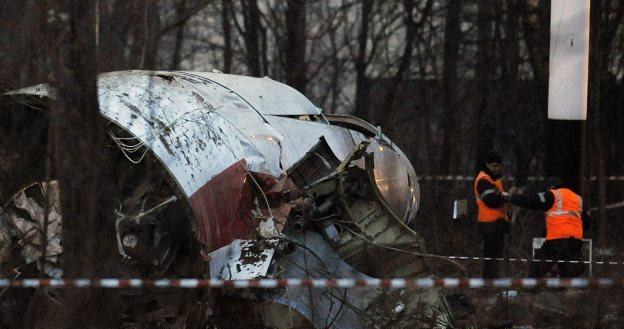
[{"x": 569, "y": 59}]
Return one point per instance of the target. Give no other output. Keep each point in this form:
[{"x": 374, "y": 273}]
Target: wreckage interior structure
[{"x": 230, "y": 177}]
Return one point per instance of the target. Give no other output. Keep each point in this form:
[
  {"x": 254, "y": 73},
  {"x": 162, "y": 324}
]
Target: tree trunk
[
  {"x": 151, "y": 35},
  {"x": 484, "y": 132},
  {"x": 179, "y": 38},
  {"x": 22, "y": 25},
  {"x": 226, "y": 11},
  {"x": 296, "y": 44},
  {"x": 81, "y": 163},
  {"x": 362, "y": 85},
  {"x": 115, "y": 26},
  {"x": 596, "y": 77},
  {"x": 510, "y": 100},
  {"x": 411, "y": 30},
  {"x": 535, "y": 23},
  {"x": 452, "y": 38},
  {"x": 251, "y": 14},
  {"x": 264, "y": 52}
]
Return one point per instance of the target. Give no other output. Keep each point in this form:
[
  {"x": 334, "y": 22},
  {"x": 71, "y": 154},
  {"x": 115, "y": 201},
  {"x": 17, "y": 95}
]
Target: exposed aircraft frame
[{"x": 229, "y": 143}]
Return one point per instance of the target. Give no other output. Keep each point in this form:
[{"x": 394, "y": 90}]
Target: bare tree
[
  {"x": 296, "y": 44},
  {"x": 485, "y": 68},
  {"x": 606, "y": 17},
  {"x": 151, "y": 39},
  {"x": 362, "y": 86},
  {"x": 180, "y": 8},
  {"x": 452, "y": 40},
  {"x": 412, "y": 28},
  {"x": 22, "y": 31},
  {"x": 81, "y": 162},
  {"x": 226, "y": 13},
  {"x": 251, "y": 19}
]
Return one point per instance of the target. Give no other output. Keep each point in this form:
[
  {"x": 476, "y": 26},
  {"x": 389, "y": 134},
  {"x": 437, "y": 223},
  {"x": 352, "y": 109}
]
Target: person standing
[
  {"x": 564, "y": 227},
  {"x": 493, "y": 222}
]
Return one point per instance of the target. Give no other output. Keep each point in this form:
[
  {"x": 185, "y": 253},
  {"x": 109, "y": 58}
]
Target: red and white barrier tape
[
  {"x": 528, "y": 260},
  {"x": 508, "y": 178},
  {"x": 454, "y": 283}
]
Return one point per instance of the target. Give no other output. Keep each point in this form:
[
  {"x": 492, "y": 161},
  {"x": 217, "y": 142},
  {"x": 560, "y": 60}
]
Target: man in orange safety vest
[
  {"x": 493, "y": 222},
  {"x": 564, "y": 227}
]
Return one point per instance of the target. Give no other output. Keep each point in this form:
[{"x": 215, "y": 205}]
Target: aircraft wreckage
[{"x": 257, "y": 178}]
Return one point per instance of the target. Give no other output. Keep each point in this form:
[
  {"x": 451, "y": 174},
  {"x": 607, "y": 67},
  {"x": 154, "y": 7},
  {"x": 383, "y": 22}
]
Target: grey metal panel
[
  {"x": 267, "y": 96},
  {"x": 300, "y": 136},
  {"x": 323, "y": 307},
  {"x": 41, "y": 90},
  {"x": 334, "y": 307},
  {"x": 198, "y": 124},
  {"x": 195, "y": 132},
  {"x": 392, "y": 170}
]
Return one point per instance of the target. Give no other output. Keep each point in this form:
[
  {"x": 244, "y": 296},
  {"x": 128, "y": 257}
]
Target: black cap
[
  {"x": 552, "y": 182},
  {"x": 493, "y": 157}
]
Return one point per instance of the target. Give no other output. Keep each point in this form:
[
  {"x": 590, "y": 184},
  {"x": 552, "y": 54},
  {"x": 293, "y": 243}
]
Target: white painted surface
[
  {"x": 264, "y": 94},
  {"x": 240, "y": 260},
  {"x": 196, "y": 129},
  {"x": 199, "y": 124},
  {"x": 569, "y": 59}
]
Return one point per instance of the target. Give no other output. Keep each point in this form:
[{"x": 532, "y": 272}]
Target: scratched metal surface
[
  {"x": 266, "y": 95},
  {"x": 199, "y": 124},
  {"x": 196, "y": 130}
]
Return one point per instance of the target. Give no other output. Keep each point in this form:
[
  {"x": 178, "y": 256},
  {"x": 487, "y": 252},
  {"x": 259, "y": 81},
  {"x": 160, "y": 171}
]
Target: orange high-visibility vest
[
  {"x": 487, "y": 214},
  {"x": 563, "y": 219}
]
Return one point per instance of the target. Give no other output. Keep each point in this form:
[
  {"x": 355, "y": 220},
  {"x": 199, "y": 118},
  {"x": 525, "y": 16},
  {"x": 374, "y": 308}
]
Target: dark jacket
[
  {"x": 536, "y": 201},
  {"x": 543, "y": 201}
]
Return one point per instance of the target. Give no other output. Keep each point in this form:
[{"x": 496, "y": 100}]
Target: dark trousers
[
  {"x": 493, "y": 235},
  {"x": 558, "y": 249}
]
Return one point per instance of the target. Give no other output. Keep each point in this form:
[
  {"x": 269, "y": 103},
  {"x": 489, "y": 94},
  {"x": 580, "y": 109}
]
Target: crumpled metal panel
[
  {"x": 42, "y": 90},
  {"x": 223, "y": 208},
  {"x": 300, "y": 136},
  {"x": 372, "y": 240},
  {"x": 395, "y": 176},
  {"x": 267, "y": 96},
  {"x": 6, "y": 242},
  {"x": 23, "y": 220},
  {"x": 317, "y": 163},
  {"x": 321, "y": 306},
  {"x": 199, "y": 124},
  {"x": 362, "y": 130},
  {"x": 242, "y": 259},
  {"x": 197, "y": 131},
  {"x": 396, "y": 247},
  {"x": 344, "y": 308}
]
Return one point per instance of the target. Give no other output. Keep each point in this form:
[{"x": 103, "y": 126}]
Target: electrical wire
[
  {"x": 446, "y": 259},
  {"x": 143, "y": 140}
]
